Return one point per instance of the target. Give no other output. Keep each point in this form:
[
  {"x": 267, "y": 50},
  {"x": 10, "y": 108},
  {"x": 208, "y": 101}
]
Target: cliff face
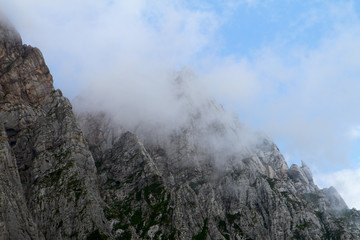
[
  {"x": 178, "y": 191},
  {"x": 102, "y": 182},
  {"x": 58, "y": 195}
]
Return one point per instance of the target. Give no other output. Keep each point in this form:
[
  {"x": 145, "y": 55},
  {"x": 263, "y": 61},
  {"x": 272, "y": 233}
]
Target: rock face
[
  {"x": 16, "y": 221},
  {"x": 208, "y": 179},
  {"x": 58, "y": 197},
  {"x": 151, "y": 192}
]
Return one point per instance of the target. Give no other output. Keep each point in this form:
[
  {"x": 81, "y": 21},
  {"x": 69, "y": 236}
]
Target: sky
[{"x": 289, "y": 68}]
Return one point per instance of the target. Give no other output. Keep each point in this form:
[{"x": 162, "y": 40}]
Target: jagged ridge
[
  {"x": 58, "y": 197},
  {"x": 57, "y": 183},
  {"x": 153, "y": 193}
]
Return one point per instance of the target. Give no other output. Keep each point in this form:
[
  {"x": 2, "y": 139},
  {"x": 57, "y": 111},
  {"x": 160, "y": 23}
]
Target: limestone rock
[
  {"x": 186, "y": 189},
  {"x": 210, "y": 178},
  {"x": 58, "y": 196},
  {"x": 16, "y": 221}
]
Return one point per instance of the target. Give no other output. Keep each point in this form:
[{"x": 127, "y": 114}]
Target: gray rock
[
  {"x": 187, "y": 191},
  {"x": 16, "y": 221},
  {"x": 210, "y": 178},
  {"x": 58, "y": 197}
]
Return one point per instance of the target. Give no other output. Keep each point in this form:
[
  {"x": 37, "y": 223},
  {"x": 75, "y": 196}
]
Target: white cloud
[
  {"x": 233, "y": 80},
  {"x": 354, "y": 132},
  {"x": 305, "y": 96},
  {"x": 89, "y": 37},
  {"x": 304, "y": 92},
  {"x": 346, "y": 183}
]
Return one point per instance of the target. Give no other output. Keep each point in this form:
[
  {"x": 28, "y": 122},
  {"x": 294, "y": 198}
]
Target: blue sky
[{"x": 289, "y": 68}]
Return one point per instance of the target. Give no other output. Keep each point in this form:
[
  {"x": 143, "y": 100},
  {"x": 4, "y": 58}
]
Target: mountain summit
[
  {"x": 48, "y": 174},
  {"x": 86, "y": 176},
  {"x": 8, "y": 33}
]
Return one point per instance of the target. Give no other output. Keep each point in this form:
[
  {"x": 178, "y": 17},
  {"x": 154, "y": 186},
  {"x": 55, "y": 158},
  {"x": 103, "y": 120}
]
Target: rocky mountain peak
[
  {"x": 8, "y": 33},
  {"x": 25, "y": 78},
  {"x": 211, "y": 178},
  {"x": 48, "y": 178}
]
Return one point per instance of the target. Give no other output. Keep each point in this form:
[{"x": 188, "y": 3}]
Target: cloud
[
  {"x": 318, "y": 106},
  {"x": 87, "y": 38},
  {"x": 125, "y": 54},
  {"x": 304, "y": 95},
  {"x": 354, "y": 132},
  {"x": 233, "y": 80},
  {"x": 300, "y": 84},
  {"x": 346, "y": 182}
]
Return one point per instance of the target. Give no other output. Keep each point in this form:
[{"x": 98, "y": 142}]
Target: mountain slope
[
  {"x": 206, "y": 178},
  {"x": 178, "y": 191},
  {"x": 57, "y": 171}
]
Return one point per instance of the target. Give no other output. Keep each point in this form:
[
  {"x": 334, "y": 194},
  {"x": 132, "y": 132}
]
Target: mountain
[
  {"x": 49, "y": 181},
  {"x": 87, "y": 176}
]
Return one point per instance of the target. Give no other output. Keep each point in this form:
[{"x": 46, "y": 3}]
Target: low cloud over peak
[{"x": 290, "y": 69}]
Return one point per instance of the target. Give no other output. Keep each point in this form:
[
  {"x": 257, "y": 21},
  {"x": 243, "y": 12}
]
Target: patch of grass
[
  {"x": 118, "y": 210},
  {"x": 138, "y": 195},
  {"x": 142, "y": 217},
  {"x": 311, "y": 197},
  {"x": 55, "y": 175},
  {"x": 75, "y": 186},
  {"x": 109, "y": 213},
  {"x": 222, "y": 226},
  {"x": 295, "y": 204},
  {"x": 74, "y": 235},
  {"x": 223, "y": 229},
  {"x": 136, "y": 219},
  {"x": 96, "y": 235},
  {"x": 98, "y": 163},
  {"x": 271, "y": 182},
  {"x": 319, "y": 214},
  {"x": 226, "y": 236},
  {"x": 62, "y": 155},
  {"x": 120, "y": 226},
  {"x": 112, "y": 184},
  {"x": 159, "y": 214},
  {"x": 155, "y": 189},
  {"x": 126, "y": 235},
  {"x": 173, "y": 234},
  {"x": 195, "y": 185},
  {"x": 203, "y": 233},
  {"x": 302, "y": 226},
  {"x": 59, "y": 224},
  {"x": 133, "y": 176},
  {"x": 232, "y": 217}
]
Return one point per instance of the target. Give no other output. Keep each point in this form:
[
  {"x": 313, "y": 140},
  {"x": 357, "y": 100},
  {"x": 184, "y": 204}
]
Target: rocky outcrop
[
  {"x": 16, "y": 221},
  {"x": 210, "y": 178},
  {"x": 256, "y": 197},
  {"x": 58, "y": 196},
  {"x": 181, "y": 189}
]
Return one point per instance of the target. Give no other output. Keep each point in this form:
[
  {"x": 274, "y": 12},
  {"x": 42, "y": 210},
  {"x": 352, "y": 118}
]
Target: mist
[
  {"x": 299, "y": 85},
  {"x": 178, "y": 111}
]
